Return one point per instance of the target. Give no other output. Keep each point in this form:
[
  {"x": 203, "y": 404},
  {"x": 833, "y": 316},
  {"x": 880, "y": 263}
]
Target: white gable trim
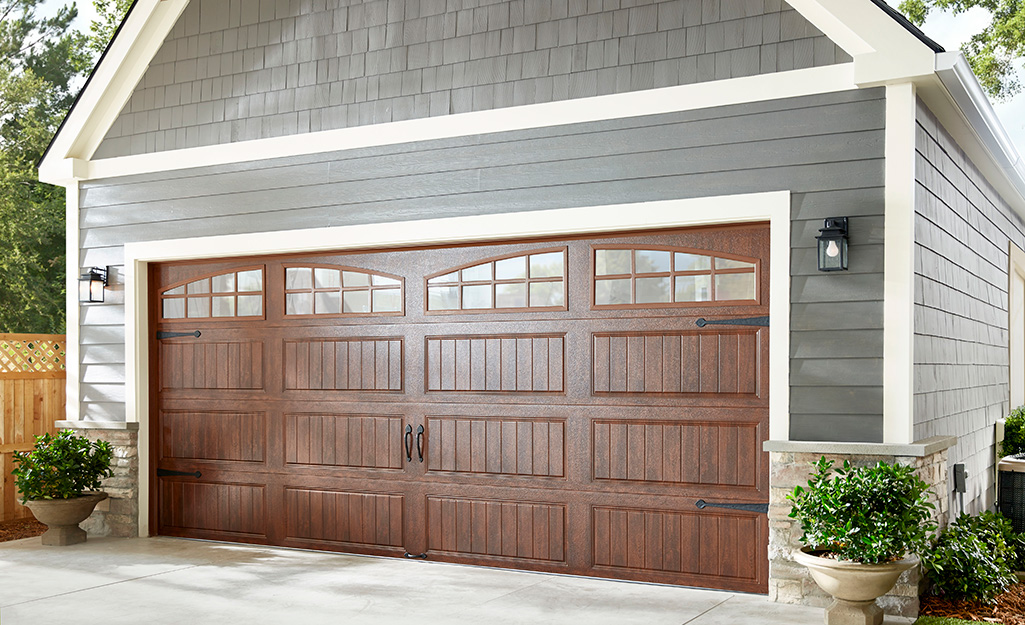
[
  {"x": 773, "y": 207},
  {"x": 113, "y": 81},
  {"x": 883, "y": 50},
  {"x": 757, "y": 88}
]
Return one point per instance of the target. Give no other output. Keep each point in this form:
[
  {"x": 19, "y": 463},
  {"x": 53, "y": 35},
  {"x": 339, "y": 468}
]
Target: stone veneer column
[
  {"x": 790, "y": 465},
  {"x": 118, "y": 515}
]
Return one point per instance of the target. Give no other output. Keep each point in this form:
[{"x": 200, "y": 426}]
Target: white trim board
[
  {"x": 1016, "y": 325},
  {"x": 899, "y": 266},
  {"x": 773, "y": 207},
  {"x": 758, "y": 88}
]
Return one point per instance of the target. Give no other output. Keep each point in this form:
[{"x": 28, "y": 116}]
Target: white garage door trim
[{"x": 773, "y": 207}]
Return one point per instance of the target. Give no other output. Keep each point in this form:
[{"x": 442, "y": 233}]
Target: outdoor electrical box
[{"x": 960, "y": 480}]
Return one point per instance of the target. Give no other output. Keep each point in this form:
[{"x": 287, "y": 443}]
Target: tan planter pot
[
  {"x": 854, "y": 587},
  {"x": 62, "y": 516}
]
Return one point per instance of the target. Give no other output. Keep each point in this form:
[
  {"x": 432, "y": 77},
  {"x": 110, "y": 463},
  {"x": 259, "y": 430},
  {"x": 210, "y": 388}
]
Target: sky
[{"x": 943, "y": 27}]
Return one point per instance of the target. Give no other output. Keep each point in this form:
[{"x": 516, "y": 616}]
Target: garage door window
[
  {"x": 660, "y": 277},
  {"x": 226, "y": 295},
  {"x": 523, "y": 282},
  {"x": 341, "y": 291}
]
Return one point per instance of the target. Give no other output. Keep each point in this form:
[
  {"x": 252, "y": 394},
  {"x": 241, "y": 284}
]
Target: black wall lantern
[
  {"x": 833, "y": 245},
  {"x": 91, "y": 285}
]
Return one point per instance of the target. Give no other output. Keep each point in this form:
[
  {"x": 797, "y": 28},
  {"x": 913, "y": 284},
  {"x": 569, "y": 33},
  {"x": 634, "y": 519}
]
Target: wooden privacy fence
[{"x": 32, "y": 396}]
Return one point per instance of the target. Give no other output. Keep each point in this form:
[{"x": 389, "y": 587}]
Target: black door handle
[
  {"x": 749, "y": 507},
  {"x": 173, "y": 335},
  {"x": 408, "y": 441},
  {"x": 420, "y": 442}
]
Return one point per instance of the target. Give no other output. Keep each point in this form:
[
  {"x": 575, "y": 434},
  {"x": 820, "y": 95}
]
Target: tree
[
  {"x": 993, "y": 52},
  {"x": 110, "y": 13},
  {"x": 40, "y": 58}
]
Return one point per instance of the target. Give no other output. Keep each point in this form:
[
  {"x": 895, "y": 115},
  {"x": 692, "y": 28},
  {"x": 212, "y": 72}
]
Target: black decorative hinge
[
  {"x": 750, "y": 321},
  {"x": 749, "y": 507},
  {"x": 174, "y": 335},
  {"x": 168, "y": 472}
]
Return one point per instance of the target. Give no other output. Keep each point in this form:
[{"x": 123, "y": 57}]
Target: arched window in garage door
[
  {"x": 334, "y": 290},
  {"x": 235, "y": 294}
]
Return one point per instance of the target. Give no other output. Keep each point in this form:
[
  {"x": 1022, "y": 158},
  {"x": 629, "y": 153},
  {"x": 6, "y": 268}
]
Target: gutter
[{"x": 955, "y": 73}]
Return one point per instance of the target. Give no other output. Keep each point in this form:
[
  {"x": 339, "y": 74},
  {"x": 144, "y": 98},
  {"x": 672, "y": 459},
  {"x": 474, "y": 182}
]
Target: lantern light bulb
[{"x": 832, "y": 250}]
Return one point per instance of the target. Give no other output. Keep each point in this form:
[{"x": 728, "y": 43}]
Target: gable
[{"x": 249, "y": 69}]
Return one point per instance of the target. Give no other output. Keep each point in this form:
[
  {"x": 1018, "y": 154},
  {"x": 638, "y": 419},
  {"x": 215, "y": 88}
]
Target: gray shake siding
[
  {"x": 248, "y": 69},
  {"x": 827, "y": 149},
  {"x": 962, "y": 229}
]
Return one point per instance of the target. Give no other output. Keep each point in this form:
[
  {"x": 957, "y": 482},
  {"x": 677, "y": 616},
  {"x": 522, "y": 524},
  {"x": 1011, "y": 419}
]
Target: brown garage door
[{"x": 548, "y": 405}]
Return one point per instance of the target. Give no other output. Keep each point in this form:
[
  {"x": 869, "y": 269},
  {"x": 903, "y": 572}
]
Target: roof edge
[
  {"x": 956, "y": 76},
  {"x": 909, "y": 26}
]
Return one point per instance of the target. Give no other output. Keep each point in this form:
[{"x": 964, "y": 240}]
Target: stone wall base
[
  {"x": 790, "y": 582},
  {"x": 118, "y": 515}
]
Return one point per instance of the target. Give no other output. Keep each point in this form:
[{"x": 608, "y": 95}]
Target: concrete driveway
[{"x": 166, "y": 580}]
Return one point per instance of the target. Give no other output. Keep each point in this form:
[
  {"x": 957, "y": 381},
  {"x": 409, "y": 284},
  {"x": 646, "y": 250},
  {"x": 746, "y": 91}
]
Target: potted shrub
[
  {"x": 57, "y": 481},
  {"x": 862, "y": 528}
]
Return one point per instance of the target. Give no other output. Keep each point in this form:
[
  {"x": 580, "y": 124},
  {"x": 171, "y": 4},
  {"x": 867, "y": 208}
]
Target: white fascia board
[
  {"x": 773, "y": 207},
  {"x": 110, "y": 86},
  {"x": 884, "y": 51},
  {"x": 747, "y": 89}
]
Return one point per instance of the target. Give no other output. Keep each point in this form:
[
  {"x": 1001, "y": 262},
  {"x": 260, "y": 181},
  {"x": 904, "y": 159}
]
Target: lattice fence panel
[{"x": 32, "y": 354}]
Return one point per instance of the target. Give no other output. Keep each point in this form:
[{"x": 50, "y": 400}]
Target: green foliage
[
  {"x": 110, "y": 13},
  {"x": 40, "y": 59},
  {"x": 991, "y": 52},
  {"x": 971, "y": 558},
  {"x": 1014, "y": 433},
  {"x": 867, "y": 514},
  {"x": 939, "y": 620},
  {"x": 62, "y": 466}
]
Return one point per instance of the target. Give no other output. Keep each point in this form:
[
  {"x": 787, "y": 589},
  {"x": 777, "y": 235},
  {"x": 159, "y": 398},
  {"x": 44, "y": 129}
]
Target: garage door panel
[
  {"x": 521, "y": 363},
  {"x": 222, "y": 507},
  {"x": 490, "y": 528},
  {"x": 722, "y": 362},
  {"x": 344, "y": 440},
  {"x": 220, "y": 365},
  {"x": 696, "y": 543},
  {"x": 674, "y": 452},
  {"x": 349, "y": 364},
  {"x": 496, "y": 446},
  {"x": 213, "y": 435},
  {"x": 344, "y": 517}
]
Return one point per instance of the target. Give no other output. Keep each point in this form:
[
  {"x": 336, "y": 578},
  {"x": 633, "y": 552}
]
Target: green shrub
[
  {"x": 61, "y": 467},
  {"x": 1014, "y": 433},
  {"x": 970, "y": 559},
  {"x": 867, "y": 514}
]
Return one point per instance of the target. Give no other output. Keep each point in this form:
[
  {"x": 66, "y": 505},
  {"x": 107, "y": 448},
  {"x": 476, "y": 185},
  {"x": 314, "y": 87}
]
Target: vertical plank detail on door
[
  {"x": 344, "y": 517},
  {"x": 232, "y": 508},
  {"x": 504, "y": 529},
  {"x": 722, "y": 453},
  {"x": 723, "y": 362},
  {"x": 221, "y": 365},
  {"x": 350, "y": 364},
  {"x": 476, "y": 444},
  {"x": 202, "y": 435},
  {"x": 678, "y": 542},
  {"x": 364, "y": 441},
  {"x": 524, "y": 363}
]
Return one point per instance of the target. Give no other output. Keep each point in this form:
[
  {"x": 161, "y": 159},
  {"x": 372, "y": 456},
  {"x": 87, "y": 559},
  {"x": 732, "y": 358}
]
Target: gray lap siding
[
  {"x": 827, "y": 150},
  {"x": 962, "y": 230}
]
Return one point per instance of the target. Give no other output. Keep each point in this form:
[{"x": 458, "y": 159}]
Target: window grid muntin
[
  {"x": 459, "y": 283},
  {"x": 191, "y": 291},
  {"x": 341, "y": 290},
  {"x": 712, "y": 272}
]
